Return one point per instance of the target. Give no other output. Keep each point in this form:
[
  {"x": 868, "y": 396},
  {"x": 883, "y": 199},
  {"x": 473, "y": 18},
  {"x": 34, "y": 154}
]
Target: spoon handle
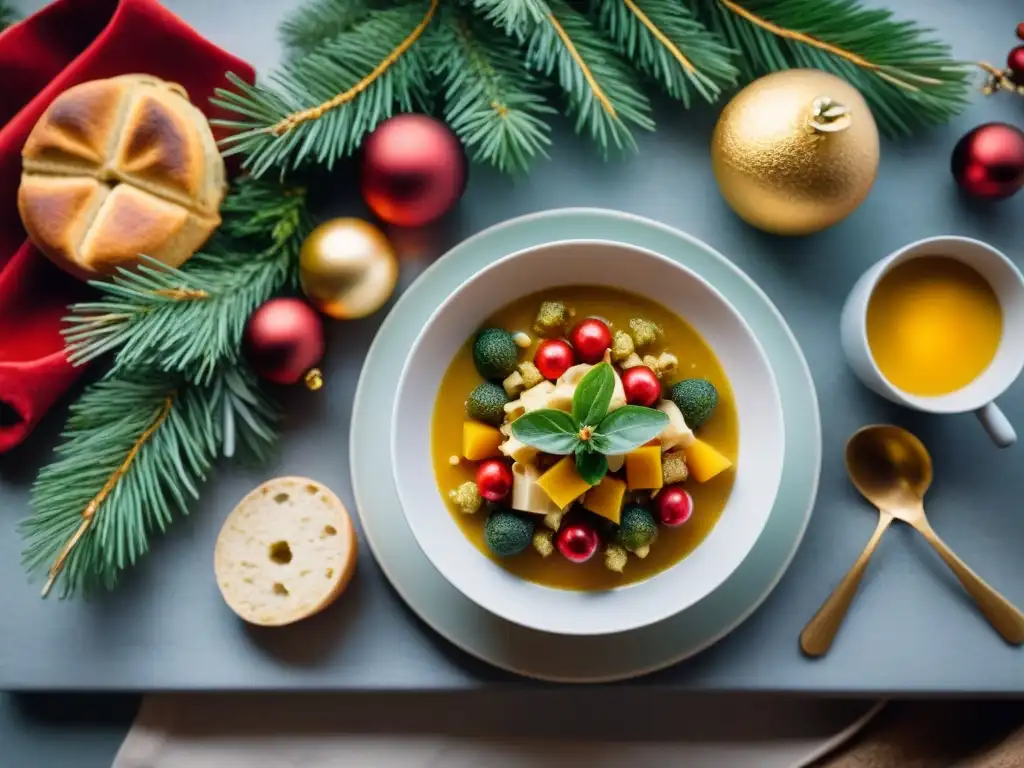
[
  {"x": 820, "y": 631},
  {"x": 1000, "y": 612}
]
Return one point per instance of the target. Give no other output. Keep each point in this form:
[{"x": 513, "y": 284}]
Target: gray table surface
[{"x": 911, "y": 629}]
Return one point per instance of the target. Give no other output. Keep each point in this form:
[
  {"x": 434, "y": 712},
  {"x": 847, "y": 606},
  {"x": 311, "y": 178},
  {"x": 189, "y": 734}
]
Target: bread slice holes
[
  {"x": 330, "y": 573},
  {"x": 312, "y": 488},
  {"x": 280, "y": 589},
  {"x": 330, "y": 530},
  {"x": 281, "y": 498},
  {"x": 280, "y": 552}
]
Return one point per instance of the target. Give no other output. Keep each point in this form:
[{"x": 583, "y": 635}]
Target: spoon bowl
[{"x": 891, "y": 468}]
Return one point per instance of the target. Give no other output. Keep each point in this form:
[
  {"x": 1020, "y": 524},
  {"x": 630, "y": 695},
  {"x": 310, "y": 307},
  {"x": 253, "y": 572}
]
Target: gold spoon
[{"x": 892, "y": 469}]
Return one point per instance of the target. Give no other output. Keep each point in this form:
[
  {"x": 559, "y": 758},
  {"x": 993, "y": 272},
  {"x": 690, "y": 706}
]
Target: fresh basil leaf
[
  {"x": 590, "y": 465},
  {"x": 547, "y": 430},
  {"x": 593, "y": 395},
  {"x": 626, "y": 428}
]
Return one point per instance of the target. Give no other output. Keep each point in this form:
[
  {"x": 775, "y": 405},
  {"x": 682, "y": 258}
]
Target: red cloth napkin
[{"x": 66, "y": 43}]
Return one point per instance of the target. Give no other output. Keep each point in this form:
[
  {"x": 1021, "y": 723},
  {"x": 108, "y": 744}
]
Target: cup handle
[{"x": 997, "y": 425}]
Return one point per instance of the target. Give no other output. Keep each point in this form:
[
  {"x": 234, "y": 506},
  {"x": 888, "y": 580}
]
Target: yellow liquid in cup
[{"x": 933, "y": 325}]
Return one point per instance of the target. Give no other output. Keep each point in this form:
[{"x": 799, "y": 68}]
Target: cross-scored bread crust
[{"x": 139, "y": 137}]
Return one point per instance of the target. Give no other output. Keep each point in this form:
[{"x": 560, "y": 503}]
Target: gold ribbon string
[
  {"x": 660, "y": 36},
  {"x": 570, "y": 46},
  {"x": 315, "y": 113},
  {"x": 89, "y": 513}
]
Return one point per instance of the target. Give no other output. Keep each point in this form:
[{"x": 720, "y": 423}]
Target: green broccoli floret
[
  {"x": 495, "y": 353},
  {"x": 644, "y": 331},
  {"x": 552, "y": 318},
  {"x": 466, "y": 497},
  {"x": 506, "y": 533},
  {"x": 696, "y": 399},
  {"x": 636, "y": 528},
  {"x": 615, "y": 558},
  {"x": 531, "y": 376},
  {"x": 542, "y": 542},
  {"x": 486, "y": 403},
  {"x": 622, "y": 346}
]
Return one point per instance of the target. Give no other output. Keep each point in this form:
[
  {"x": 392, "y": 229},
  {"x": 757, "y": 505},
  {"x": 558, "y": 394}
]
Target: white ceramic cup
[{"x": 980, "y": 394}]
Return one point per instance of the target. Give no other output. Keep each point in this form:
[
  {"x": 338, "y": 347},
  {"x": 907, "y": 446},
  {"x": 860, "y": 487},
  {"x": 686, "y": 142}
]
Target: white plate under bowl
[{"x": 758, "y": 468}]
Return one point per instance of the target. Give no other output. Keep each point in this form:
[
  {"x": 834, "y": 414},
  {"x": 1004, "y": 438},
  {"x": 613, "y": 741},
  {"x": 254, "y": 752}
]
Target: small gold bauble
[
  {"x": 347, "y": 268},
  {"x": 795, "y": 152}
]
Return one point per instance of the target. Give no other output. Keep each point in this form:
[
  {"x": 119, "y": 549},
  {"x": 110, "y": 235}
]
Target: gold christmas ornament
[
  {"x": 347, "y": 268},
  {"x": 795, "y": 152}
]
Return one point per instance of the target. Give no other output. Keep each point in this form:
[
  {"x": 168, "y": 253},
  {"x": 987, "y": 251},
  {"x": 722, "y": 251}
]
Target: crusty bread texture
[
  {"x": 120, "y": 167},
  {"x": 286, "y": 552}
]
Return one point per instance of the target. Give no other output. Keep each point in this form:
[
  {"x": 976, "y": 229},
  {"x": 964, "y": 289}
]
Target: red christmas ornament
[
  {"x": 413, "y": 170},
  {"x": 590, "y": 338},
  {"x": 1015, "y": 65},
  {"x": 675, "y": 506},
  {"x": 283, "y": 342},
  {"x": 493, "y": 479},
  {"x": 577, "y": 542},
  {"x": 988, "y": 162},
  {"x": 553, "y": 358},
  {"x": 1020, "y": 30},
  {"x": 641, "y": 386}
]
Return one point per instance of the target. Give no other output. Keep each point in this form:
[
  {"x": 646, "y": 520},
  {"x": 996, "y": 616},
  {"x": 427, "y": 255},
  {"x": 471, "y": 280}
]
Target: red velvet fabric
[{"x": 66, "y": 43}]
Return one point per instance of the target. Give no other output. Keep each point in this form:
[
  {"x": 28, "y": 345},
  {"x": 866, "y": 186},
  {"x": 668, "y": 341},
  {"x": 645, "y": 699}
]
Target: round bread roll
[
  {"x": 120, "y": 167},
  {"x": 285, "y": 552}
]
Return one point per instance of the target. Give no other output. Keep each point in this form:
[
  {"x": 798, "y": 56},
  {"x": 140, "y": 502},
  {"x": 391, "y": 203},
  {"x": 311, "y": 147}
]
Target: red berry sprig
[{"x": 1012, "y": 77}]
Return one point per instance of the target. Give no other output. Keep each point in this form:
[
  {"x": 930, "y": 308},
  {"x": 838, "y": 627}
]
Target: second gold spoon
[{"x": 892, "y": 469}]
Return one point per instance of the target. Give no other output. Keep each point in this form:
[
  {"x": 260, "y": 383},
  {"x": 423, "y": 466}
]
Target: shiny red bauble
[
  {"x": 641, "y": 386},
  {"x": 1015, "y": 65},
  {"x": 1020, "y": 30},
  {"x": 577, "y": 542},
  {"x": 988, "y": 162},
  {"x": 413, "y": 170},
  {"x": 590, "y": 338},
  {"x": 493, "y": 479},
  {"x": 675, "y": 506},
  {"x": 553, "y": 358},
  {"x": 284, "y": 340}
]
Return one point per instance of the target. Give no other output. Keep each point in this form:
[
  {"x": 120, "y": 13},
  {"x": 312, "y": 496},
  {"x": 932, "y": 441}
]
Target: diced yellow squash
[
  {"x": 562, "y": 483},
  {"x": 704, "y": 462},
  {"x": 605, "y": 498},
  {"x": 643, "y": 468},
  {"x": 480, "y": 441}
]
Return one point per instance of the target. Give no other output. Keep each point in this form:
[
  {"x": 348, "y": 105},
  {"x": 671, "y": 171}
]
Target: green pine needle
[
  {"x": 706, "y": 66},
  {"x": 312, "y": 24},
  {"x": 607, "y": 120},
  {"x": 515, "y": 17},
  {"x": 7, "y": 15},
  {"x": 491, "y": 103},
  {"x": 200, "y": 423},
  {"x": 191, "y": 320},
  {"x": 918, "y": 84},
  {"x": 333, "y": 68}
]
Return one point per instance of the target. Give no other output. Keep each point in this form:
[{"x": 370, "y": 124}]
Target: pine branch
[
  {"x": 907, "y": 76},
  {"x": 133, "y": 453},
  {"x": 491, "y": 102},
  {"x": 602, "y": 91},
  {"x": 191, "y": 320},
  {"x": 7, "y": 15},
  {"x": 319, "y": 107},
  {"x": 311, "y": 25},
  {"x": 515, "y": 17},
  {"x": 665, "y": 40}
]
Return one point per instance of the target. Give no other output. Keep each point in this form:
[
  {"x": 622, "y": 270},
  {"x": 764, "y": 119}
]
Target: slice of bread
[{"x": 286, "y": 552}]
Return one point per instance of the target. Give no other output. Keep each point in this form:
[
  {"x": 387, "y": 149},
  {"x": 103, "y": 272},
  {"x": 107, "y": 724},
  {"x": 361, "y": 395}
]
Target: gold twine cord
[
  {"x": 89, "y": 513},
  {"x": 570, "y": 46},
  {"x": 315, "y": 113},
  {"x": 660, "y": 36},
  {"x": 998, "y": 80},
  {"x": 800, "y": 37}
]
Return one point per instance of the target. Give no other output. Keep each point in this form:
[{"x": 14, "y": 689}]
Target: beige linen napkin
[{"x": 588, "y": 728}]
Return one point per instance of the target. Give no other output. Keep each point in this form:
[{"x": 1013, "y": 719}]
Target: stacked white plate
[{"x": 564, "y": 635}]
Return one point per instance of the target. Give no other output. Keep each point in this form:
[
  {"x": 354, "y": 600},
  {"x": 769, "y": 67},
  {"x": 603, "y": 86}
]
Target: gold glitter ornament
[
  {"x": 347, "y": 268},
  {"x": 795, "y": 152}
]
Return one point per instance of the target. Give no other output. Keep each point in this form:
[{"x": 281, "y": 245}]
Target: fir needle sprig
[
  {"x": 134, "y": 451},
  {"x": 7, "y": 15}
]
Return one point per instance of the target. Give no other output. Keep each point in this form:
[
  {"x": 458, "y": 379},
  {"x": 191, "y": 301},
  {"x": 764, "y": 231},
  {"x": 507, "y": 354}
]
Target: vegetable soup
[{"x": 585, "y": 438}]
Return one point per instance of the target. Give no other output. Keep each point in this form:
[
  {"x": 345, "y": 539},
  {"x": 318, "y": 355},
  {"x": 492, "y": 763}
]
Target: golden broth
[
  {"x": 696, "y": 360},
  {"x": 933, "y": 325}
]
